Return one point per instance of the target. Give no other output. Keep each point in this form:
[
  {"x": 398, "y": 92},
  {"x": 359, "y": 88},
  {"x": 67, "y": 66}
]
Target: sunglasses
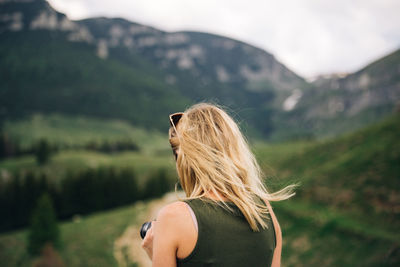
[{"x": 174, "y": 119}]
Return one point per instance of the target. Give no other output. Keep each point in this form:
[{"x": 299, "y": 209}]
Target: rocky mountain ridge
[
  {"x": 376, "y": 84},
  {"x": 356, "y": 99}
]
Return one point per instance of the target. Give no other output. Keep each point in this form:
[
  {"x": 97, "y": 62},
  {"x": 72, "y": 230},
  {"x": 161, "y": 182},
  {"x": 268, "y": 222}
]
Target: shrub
[{"x": 44, "y": 228}]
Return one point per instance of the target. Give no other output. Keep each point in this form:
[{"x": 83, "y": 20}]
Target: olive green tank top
[{"x": 226, "y": 239}]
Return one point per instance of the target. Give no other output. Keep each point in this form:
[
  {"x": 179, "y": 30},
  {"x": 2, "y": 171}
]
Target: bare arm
[
  {"x": 276, "y": 260},
  {"x": 171, "y": 236}
]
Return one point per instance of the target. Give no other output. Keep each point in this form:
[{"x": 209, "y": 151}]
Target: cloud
[
  {"x": 308, "y": 36},
  {"x": 75, "y": 9}
]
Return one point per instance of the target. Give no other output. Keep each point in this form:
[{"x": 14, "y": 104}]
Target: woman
[{"x": 226, "y": 219}]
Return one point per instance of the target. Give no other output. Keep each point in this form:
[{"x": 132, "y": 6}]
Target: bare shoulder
[
  {"x": 174, "y": 212},
  {"x": 175, "y": 223}
]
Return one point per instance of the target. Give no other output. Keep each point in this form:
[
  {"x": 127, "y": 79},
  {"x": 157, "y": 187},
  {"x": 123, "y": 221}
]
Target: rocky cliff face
[
  {"x": 208, "y": 58},
  {"x": 23, "y": 15},
  {"x": 376, "y": 85},
  {"x": 341, "y": 103}
]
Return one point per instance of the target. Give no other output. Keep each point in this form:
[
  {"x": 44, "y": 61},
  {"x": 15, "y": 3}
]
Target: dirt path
[{"x": 127, "y": 249}]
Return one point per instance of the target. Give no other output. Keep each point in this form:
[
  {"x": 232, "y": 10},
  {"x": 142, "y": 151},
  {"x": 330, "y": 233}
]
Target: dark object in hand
[{"x": 143, "y": 230}]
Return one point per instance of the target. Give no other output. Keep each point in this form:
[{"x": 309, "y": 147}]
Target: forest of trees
[
  {"x": 80, "y": 193},
  {"x": 43, "y": 149}
]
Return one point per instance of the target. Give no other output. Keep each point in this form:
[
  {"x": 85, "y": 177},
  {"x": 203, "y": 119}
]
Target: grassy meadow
[
  {"x": 87, "y": 241},
  {"x": 345, "y": 213},
  {"x": 76, "y": 160},
  {"x": 72, "y": 134},
  {"x": 72, "y": 131}
]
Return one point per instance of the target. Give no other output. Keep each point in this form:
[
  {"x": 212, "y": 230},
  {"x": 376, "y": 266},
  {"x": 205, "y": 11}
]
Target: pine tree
[
  {"x": 44, "y": 228},
  {"x": 43, "y": 152}
]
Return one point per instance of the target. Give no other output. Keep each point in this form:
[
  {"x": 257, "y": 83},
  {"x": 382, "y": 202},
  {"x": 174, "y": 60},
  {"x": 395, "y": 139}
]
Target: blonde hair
[{"x": 214, "y": 157}]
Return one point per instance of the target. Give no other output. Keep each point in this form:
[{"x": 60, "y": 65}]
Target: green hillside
[
  {"x": 361, "y": 169},
  {"x": 346, "y": 210},
  {"x": 41, "y": 72}
]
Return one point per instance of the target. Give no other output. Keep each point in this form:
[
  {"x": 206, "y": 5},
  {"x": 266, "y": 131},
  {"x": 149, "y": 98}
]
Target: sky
[{"x": 310, "y": 37}]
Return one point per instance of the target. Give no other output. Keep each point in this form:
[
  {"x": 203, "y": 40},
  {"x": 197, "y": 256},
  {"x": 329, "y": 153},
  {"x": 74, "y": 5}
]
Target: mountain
[
  {"x": 119, "y": 69},
  {"x": 337, "y": 104},
  {"x": 49, "y": 67},
  {"x": 116, "y": 68},
  {"x": 376, "y": 85}
]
